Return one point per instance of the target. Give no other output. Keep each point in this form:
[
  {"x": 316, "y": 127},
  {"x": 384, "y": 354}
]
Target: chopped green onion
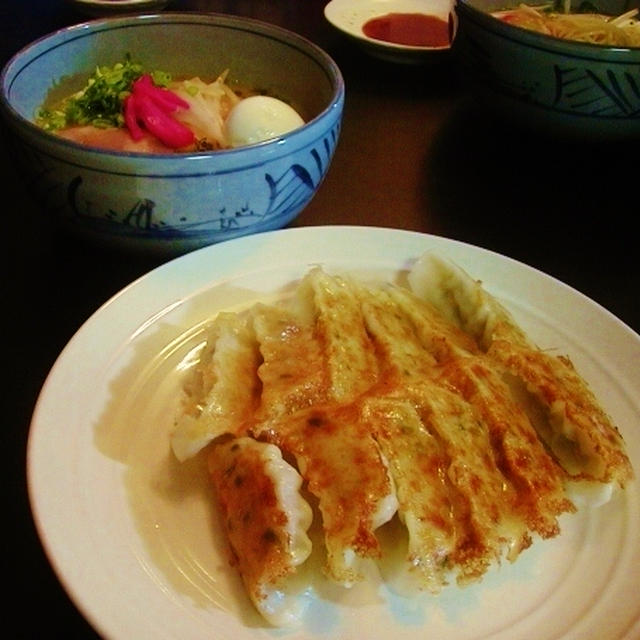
[{"x": 100, "y": 103}]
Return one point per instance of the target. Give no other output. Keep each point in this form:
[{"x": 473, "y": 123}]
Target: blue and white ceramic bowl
[
  {"x": 557, "y": 86},
  {"x": 178, "y": 202}
]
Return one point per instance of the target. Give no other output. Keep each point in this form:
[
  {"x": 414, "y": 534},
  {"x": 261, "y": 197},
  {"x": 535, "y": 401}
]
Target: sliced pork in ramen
[
  {"x": 266, "y": 521},
  {"x": 575, "y": 427},
  {"x": 223, "y": 390}
]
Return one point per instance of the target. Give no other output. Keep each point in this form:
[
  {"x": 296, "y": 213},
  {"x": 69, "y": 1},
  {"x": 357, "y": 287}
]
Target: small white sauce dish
[{"x": 350, "y": 16}]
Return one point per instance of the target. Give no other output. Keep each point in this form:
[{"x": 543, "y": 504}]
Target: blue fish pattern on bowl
[
  {"x": 605, "y": 95},
  {"x": 553, "y": 84},
  {"x": 283, "y": 196}
]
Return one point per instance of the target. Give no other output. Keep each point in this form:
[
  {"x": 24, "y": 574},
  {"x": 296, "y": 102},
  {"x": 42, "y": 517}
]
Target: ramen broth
[{"x": 137, "y": 113}]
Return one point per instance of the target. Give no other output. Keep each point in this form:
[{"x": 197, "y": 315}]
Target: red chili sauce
[{"x": 414, "y": 29}]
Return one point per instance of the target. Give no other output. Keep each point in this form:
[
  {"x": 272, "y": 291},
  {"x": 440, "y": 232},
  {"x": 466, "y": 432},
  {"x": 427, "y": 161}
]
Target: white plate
[
  {"x": 349, "y": 16},
  {"x": 104, "y": 8},
  {"x": 133, "y": 536}
]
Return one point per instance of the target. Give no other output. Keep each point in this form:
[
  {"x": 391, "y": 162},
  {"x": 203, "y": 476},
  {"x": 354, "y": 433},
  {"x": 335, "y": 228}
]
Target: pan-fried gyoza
[
  {"x": 266, "y": 520},
  {"x": 375, "y": 401}
]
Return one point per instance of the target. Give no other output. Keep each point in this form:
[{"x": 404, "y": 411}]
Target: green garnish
[
  {"x": 161, "y": 78},
  {"x": 100, "y": 103}
]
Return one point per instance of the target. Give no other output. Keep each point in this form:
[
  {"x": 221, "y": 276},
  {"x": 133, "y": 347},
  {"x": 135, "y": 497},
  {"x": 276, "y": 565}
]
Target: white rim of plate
[{"x": 63, "y": 482}]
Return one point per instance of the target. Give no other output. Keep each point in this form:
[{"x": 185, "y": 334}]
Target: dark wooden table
[{"x": 415, "y": 153}]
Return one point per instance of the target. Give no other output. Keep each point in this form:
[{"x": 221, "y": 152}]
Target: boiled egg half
[{"x": 260, "y": 118}]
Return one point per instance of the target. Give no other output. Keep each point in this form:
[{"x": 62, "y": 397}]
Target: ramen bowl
[
  {"x": 176, "y": 202},
  {"x": 561, "y": 87}
]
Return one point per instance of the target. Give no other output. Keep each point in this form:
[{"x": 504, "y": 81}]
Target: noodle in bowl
[
  {"x": 595, "y": 28},
  {"x": 554, "y": 69}
]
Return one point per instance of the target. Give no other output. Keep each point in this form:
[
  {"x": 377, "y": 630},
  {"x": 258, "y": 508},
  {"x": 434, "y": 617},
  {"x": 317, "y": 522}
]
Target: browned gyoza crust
[
  {"x": 569, "y": 418},
  {"x": 265, "y": 519},
  {"x": 387, "y": 401}
]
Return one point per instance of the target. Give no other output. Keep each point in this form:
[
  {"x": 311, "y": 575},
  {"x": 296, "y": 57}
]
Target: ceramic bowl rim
[{"x": 91, "y": 27}]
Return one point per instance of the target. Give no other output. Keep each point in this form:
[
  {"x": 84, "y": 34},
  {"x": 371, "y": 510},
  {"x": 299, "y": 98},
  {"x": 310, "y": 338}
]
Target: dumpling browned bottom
[{"x": 374, "y": 401}]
